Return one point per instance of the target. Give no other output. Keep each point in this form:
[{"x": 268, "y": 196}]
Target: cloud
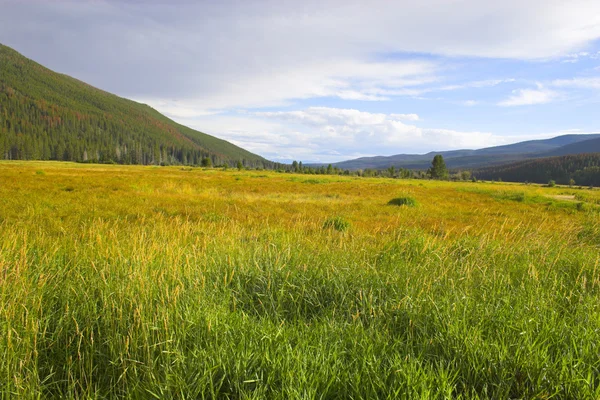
[
  {"x": 405, "y": 117},
  {"x": 525, "y": 97},
  {"x": 348, "y": 80},
  {"x": 543, "y": 94},
  {"x": 582, "y": 55},
  {"x": 216, "y": 55},
  {"x": 578, "y": 83},
  {"x": 199, "y": 61},
  {"x": 327, "y": 134}
]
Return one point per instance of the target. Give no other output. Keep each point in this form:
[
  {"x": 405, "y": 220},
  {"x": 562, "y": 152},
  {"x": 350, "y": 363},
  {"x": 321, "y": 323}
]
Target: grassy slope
[
  {"x": 38, "y": 83},
  {"x": 147, "y": 282}
]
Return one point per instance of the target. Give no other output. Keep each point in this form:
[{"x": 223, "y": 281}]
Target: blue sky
[{"x": 325, "y": 81}]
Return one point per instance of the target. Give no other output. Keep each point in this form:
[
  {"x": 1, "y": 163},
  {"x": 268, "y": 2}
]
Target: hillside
[
  {"x": 584, "y": 169},
  {"x": 49, "y": 116},
  {"x": 565, "y": 144},
  {"x": 587, "y": 146}
]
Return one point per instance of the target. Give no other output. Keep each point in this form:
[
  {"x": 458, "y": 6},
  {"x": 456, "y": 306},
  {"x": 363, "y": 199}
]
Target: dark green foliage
[
  {"x": 206, "y": 162},
  {"x": 551, "y": 183},
  {"x": 50, "y": 116},
  {"x": 438, "y": 168},
  {"x": 403, "y": 201},
  {"x": 338, "y": 223},
  {"x": 566, "y": 170}
]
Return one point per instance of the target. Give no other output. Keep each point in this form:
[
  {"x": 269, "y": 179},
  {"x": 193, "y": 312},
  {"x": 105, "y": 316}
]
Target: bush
[
  {"x": 403, "y": 201},
  {"x": 551, "y": 183},
  {"x": 338, "y": 223}
]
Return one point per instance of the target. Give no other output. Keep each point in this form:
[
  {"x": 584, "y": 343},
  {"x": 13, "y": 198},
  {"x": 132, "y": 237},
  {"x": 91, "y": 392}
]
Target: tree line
[{"x": 579, "y": 169}]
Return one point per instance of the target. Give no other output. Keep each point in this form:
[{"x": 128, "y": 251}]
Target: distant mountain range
[
  {"x": 49, "y": 116},
  {"x": 471, "y": 159}
]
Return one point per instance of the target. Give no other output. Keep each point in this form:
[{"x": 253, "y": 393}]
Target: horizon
[{"x": 329, "y": 82}]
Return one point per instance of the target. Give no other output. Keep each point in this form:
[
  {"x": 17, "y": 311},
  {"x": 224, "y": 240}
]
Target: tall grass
[{"x": 159, "y": 283}]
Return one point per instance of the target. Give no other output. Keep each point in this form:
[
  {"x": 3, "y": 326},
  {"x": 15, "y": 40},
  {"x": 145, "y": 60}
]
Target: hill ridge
[{"x": 46, "y": 115}]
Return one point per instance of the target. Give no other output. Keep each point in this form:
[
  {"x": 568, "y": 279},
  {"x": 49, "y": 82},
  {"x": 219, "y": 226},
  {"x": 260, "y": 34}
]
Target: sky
[{"x": 328, "y": 80}]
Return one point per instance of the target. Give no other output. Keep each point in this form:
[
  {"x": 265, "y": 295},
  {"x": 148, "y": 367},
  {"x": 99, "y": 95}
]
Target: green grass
[
  {"x": 146, "y": 282},
  {"x": 338, "y": 223}
]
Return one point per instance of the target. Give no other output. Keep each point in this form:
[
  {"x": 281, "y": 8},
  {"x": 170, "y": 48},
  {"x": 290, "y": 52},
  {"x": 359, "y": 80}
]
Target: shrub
[
  {"x": 313, "y": 181},
  {"x": 338, "y": 223},
  {"x": 403, "y": 201},
  {"x": 551, "y": 183}
]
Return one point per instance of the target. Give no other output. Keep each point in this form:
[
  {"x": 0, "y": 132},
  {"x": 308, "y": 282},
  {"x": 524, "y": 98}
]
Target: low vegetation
[
  {"x": 403, "y": 201},
  {"x": 157, "y": 282},
  {"x": 338, "y": 223}
]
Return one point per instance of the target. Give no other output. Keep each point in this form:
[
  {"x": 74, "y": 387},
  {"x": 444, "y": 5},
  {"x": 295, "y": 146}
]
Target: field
[{"x": 170, "y": 282}]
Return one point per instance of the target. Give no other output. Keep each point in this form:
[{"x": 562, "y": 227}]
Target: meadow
[{"x": 170, "y": 282}]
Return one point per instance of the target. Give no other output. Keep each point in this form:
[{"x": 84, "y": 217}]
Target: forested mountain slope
[
  {"x": 584, "y": 169},
  {"x": 49, "y": 116}
]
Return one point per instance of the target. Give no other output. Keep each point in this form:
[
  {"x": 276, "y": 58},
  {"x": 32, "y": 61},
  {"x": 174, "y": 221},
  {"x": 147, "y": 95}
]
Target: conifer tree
[{"x": 438, "y": 168}]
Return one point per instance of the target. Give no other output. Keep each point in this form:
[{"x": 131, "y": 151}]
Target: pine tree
[{"x": 438, "y": 168}]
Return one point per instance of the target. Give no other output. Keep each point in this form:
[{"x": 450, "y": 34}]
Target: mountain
[
  {"x": 586, "y": 146},
  {"x": 584, "y": 169},
  {"x": 560, "y": 145},
  {"x": 45, "y": 115}
]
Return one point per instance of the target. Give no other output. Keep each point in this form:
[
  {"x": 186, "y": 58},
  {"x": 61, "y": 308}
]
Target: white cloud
[
  {"x": 405, "y": 117},
  {"x": 524, "y": 97},
  {"x": 326, "y": 134},
  {"x": 579, "y": 83},
  {"x": 194, "y": 59},
  {"x": 216, "y": 55},
  {"x": 582, "y": 55},
  {"x": 349, "y": 80}
]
